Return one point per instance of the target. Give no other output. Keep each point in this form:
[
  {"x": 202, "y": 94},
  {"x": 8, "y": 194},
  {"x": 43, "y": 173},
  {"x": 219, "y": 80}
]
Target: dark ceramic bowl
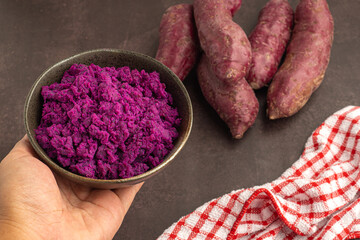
[{"x": 103, "y": 58}]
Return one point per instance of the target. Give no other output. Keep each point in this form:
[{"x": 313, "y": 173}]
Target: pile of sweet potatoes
[{"x": 231, "y": 65}]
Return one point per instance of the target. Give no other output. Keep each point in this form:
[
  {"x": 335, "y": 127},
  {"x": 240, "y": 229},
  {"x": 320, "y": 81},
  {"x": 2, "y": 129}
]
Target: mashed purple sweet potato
[{"x": 107, "y": 123}]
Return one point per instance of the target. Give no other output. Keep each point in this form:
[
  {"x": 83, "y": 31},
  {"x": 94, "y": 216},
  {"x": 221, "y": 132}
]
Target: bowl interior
[{"x": 109, "y": 58}]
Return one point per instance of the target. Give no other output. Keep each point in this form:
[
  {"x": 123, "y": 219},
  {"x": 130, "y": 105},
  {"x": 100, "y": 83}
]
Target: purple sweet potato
[
  {"x": 179, "y": 47},
  {"x": 307, "y": 58},
  {"x": 224, "y": 64},
  {"x": 223, "y": 41},
  {"x": 236, "y": 104},
  {"x": 268, "y": 41}
]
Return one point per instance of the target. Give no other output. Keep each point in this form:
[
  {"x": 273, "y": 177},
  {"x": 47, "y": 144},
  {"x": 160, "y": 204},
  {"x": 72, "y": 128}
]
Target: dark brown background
[{"x": 36, "y": 34}]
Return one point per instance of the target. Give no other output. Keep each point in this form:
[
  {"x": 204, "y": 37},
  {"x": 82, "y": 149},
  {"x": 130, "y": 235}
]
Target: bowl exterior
[{"x": 109, "y": 58}]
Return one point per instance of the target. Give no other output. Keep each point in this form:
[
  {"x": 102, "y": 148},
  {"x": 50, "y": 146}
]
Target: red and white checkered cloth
[{"x": 316, "y": 198}]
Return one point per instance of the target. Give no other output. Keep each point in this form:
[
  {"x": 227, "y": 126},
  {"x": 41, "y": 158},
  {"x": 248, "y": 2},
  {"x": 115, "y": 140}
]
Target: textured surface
[{"x": 37, "y": 34}]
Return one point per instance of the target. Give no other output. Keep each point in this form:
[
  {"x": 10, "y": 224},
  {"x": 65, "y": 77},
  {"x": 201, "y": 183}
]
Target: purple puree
[{"x": 107, "y": 123}]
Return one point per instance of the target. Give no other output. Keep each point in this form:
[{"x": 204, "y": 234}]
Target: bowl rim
[{"x": 135, "y": 179}]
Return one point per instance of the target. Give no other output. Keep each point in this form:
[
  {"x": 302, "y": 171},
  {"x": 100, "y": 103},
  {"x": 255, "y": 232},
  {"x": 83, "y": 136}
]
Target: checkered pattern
[{"x": 316, "y": 198}]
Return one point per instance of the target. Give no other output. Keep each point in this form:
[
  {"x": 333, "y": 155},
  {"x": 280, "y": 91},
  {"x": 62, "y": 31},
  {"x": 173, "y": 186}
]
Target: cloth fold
[{"x": 316, "y": 198}]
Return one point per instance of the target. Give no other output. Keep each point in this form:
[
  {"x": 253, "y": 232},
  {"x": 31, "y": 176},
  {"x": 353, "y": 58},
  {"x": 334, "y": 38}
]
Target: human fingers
[
  {"x": 23, "y": 147},
  {"x": 127, "y": 195}
]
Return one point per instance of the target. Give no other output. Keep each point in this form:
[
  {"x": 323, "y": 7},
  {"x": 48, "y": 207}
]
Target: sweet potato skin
[
  {"x": 306, "y": 60},
  {"x": 223, "y": 41},
  {"x": 268, "y": 41},
  {"x": 179, "y": 47},
  {"x": 236, "y": 104},
  {"x": 224, "y": 64}
]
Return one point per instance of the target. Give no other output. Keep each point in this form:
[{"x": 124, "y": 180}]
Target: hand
[{"x": 36, "y": 204}]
